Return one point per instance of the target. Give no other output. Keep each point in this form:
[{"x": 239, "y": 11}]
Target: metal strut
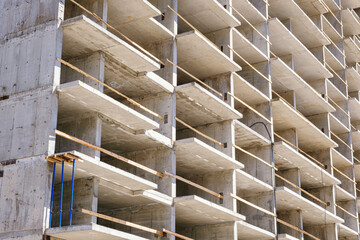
[
  {"x": 61, "y": 192},
  {"x": 72, "y": 191},
  {"x": 52, "y": 194}
]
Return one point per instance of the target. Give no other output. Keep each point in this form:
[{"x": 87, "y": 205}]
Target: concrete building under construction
[{"x": 179, "y": 119}]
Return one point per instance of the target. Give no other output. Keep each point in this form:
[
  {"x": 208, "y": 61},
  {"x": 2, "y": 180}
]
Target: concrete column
[
  {"x": 294, "y": 218},
  {"x": 87, "y": 127}
]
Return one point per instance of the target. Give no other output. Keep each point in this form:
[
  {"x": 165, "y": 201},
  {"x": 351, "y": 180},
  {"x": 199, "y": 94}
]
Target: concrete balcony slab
[
  {"x": 133, "y": 84},
  {"x": 302, "y": 26},
  {"x": 308, "y": 101},
  {"x": 330, "y": 30},
  {"x": 285, "y": 43},
  {"x": 312, "y": 214},
  {"x": 351, "y": 22},
  {"x": 120, "y": 139},
  {"x": 123, "y": 11},
  {"x": 246, "y": 49},
  {"x": 245, "y": 137},
  {"x": 77, "y": 97},
  {"x": 202, "y": 58},
  {"x": 197, "y": 106},
  {"x": 353, "y": 79},
  {"x": 339, "y": 160},
  {"x": 284, "y": 236},
  {"x": 83, "y": 36},
  {"x": 247, "y": 92},
  {"x": 311, "y": 174},
  {"x": 90, "y": 232},
  {"x": 309, "y": 136},
  {"x": 346, "y": 232},
  {"x": 206, "y": 15},
  {"x": 312, "y": 7},
  {"x": 195, "y": 156},
  {"x": 333, "y": 61},
  {"x": 350, "y": 3},
  {"x": 334, "y": 93},
  {"x": 343, "y": 195},
  {"x": 193, "y": 210},
  {"x": 144, "y": 31},
  {"x": 249, "y": 11},
  {"x": 248, "y": 185},
  {"x": 89, "y": 167},
  {"x": 354, "y": 108},
  {"x": 352, "y": 50},
  {"x": 336, "y": 126},
  {"x": 247, "y": 231}
]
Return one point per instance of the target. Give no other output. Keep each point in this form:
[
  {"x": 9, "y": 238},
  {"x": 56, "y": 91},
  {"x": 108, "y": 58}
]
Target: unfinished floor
[{"x": 179, "y": 119}]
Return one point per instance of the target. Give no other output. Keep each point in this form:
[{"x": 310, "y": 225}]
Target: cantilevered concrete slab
[
  {"x": 77, "y": 97},
  {"x": 347, "y": 233},
  {"x": 336, "y": 126},
  {"x": 247, "y": 92},
  {"x": 206, "y": 15},
  {"x": 117, "y": 138},
  {"x": 145, "y": 31},
  {"x": 246, "y": 49},
  {"x": 353, "y": 79},
  {"x": 89, "y": 232},
  {"x": 354, "y": 107},
  {"x": 311, "y": 174},
  {"x": 339, "y": 160},
  {"x": 350, "y": 3},
  {"x": 111, "y": 196},
  {"x": 302, "y": 26},
  {"x": 135, "y": 20},
  {"x": 201, "y": 57},
  {"x": 355, "y": 135},
  {"x": 312, "y": 213},
  {"x": 195, "y": 156},
  {"x": 343, "y": 195},
  {"x": 83, "y": 36},
  {"x": 312, "y": 7},
  {"x": 247, "y": 231},
  {"x": 309, "y": 136},
  {"x": 351, "y": 22},
  {"x": 308, "y": 101},
  {"x": 352, "y": 50},
  {"x": 330, "y": 30},
  {"x": 193, "y": 210},
  {"x": 133, "y": 84},
  {"x": 89, "y": 167},
  {"x": 246, "y": 137},
  {"x": 123, "y": 11},
  {"x": 248, "y": 11},
  {"x": 197, "y": 106},
  {"x": 285, "y": 43},
  {"x": 334, "y": 93},
  {"x": 248, "y": 185},
  {"x": 284, "y": 236},
  {"x": 333, "y": 61}
]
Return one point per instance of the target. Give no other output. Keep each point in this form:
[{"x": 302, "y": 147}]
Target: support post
[
  {"x": 72, "y": 191},
  {"x": 61, "y": 191},
  {"x": 52, "y": 194}
]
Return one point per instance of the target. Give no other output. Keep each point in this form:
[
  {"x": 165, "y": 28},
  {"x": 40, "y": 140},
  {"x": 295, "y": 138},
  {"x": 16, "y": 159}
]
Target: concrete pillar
[{"x": 294, "y": 218}]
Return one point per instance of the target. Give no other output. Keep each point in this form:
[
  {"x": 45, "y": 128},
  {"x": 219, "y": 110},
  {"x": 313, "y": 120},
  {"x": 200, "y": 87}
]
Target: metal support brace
[
  {"x": 61, "y": 192},
  {"x": 72, "y": 191},
  {"x": 52, "y": 194}
]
